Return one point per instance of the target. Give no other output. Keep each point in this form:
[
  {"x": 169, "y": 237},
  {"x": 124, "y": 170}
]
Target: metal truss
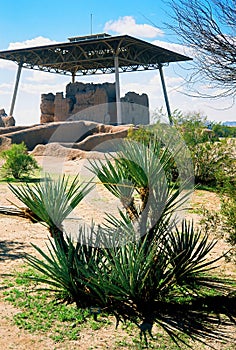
[{"x": 96, "y": 56}]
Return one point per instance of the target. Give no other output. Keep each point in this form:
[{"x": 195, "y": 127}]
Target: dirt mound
[
  {"x": 59, "y": 151},
  {"x": 85, "y": 134}
]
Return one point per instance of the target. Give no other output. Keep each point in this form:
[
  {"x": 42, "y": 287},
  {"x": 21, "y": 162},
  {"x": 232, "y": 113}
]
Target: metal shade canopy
[{"x": 93, "y": 54}]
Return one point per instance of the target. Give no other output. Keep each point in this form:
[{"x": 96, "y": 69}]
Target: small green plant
[
  {"x": 193, "y": 128},
  {"x": 228, "y": 208},
  {"x": 18, "y": 163}
]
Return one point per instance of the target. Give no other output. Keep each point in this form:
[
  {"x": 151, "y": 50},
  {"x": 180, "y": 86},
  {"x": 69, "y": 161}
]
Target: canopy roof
[{"x": 93, "y": 54}]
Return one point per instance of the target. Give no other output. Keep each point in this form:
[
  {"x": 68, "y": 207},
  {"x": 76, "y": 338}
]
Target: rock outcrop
[
  {"x": 81, "y": 135},
  {"x": 2, "y": 112},
  {"x": 5, "y": 120},
  {"x": 2, "y": 125},
  {"x": 93, "y": 102}
]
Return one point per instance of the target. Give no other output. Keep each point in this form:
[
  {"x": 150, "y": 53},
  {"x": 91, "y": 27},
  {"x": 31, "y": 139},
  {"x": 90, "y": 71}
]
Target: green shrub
[
  {"x": 141, "y": 134},
  {"x": 222, "y": 223},
  {"x": 228, "y": 208},
  {"x": 228, "y": 212},
  {"x": 138, "y": 281},
  {"x": 193, "y": 129},
  {"x": 214, "y": 163},
  {"x": 169, "y": 142},
  {"x": 135, "y": 266},
  {"x": 18, "y": 163},
  {"x": 213, "y": 158}
]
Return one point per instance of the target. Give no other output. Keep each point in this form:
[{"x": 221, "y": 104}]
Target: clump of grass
[{"x": 39, "y": 311}]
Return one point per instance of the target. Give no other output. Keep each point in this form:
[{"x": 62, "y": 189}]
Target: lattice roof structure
[{"x": 93, "y": 54}]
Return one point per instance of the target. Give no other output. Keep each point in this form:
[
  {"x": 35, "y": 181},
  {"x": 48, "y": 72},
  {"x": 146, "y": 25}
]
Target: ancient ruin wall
[{"x": 93, "y": 102}]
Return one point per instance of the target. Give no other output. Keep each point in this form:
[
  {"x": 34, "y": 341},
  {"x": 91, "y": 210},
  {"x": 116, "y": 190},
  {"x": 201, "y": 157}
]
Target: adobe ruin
[{"x": 93, "y": 102}]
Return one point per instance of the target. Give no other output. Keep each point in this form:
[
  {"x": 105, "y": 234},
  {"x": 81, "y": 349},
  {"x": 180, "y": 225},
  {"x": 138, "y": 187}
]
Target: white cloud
[
  {"x": 9, "y": 65},
  {"x": 181, "y": 49},
  {"x": 171, "y": 81},
  {"x": 38, "y": 41},
  {"x": 39, "y": 77},
  {"x": 37, "y": 89},
  {"x": 5, "y": 89},
  {"x": 128, "y": 25}
]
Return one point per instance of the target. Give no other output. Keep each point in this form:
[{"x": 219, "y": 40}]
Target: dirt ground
[{"x": 16, "y": 237}]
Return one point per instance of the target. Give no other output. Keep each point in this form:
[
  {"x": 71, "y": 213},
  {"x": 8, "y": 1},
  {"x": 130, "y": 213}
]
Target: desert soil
[{"x": 16, "y": 237}]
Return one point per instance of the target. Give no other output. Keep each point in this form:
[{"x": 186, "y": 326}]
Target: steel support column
[
  {"x": 117, "y": 80},
  {"x": 165, "y": 94},
  {"x": 16, "y": 88}
]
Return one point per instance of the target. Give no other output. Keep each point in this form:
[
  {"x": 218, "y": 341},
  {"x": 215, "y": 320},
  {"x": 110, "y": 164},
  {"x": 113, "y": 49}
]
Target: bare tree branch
[{"x": 209, "y": 27}]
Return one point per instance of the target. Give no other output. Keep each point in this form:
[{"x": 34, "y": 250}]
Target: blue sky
[{"x": 31, "y": 23}]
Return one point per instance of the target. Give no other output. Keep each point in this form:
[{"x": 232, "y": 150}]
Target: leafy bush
[
  {"x": 18, "y": 163},
  {"x": 193, "y": 129},
  {"x": 169, "y": 141},
  {"x": 214, "y": 163},
  {"x": 143, "y": 134},
  {"x": 228, "y": 212},
  {"x": 213, "y": 158}
]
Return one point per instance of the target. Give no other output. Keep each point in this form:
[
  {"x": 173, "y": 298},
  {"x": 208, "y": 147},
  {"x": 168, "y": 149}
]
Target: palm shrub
[
  {"x": 134, "y": 266},
  {"x": 187, "y": 250},
  {"x": 66, "y": 271},
  {"x": 136, "y": 281},
  {"x": 137, "y": 176},
  {"x": 169, "y": 141},
  {"x": 18, "y": 163},
  {"x": 52, "y": 200}
]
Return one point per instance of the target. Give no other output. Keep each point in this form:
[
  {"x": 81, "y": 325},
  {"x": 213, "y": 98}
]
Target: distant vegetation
[
  {"x": 213, "y": 155},
  {"x": 213, "y": 150},
  {"x": 222, "y": 130}
]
